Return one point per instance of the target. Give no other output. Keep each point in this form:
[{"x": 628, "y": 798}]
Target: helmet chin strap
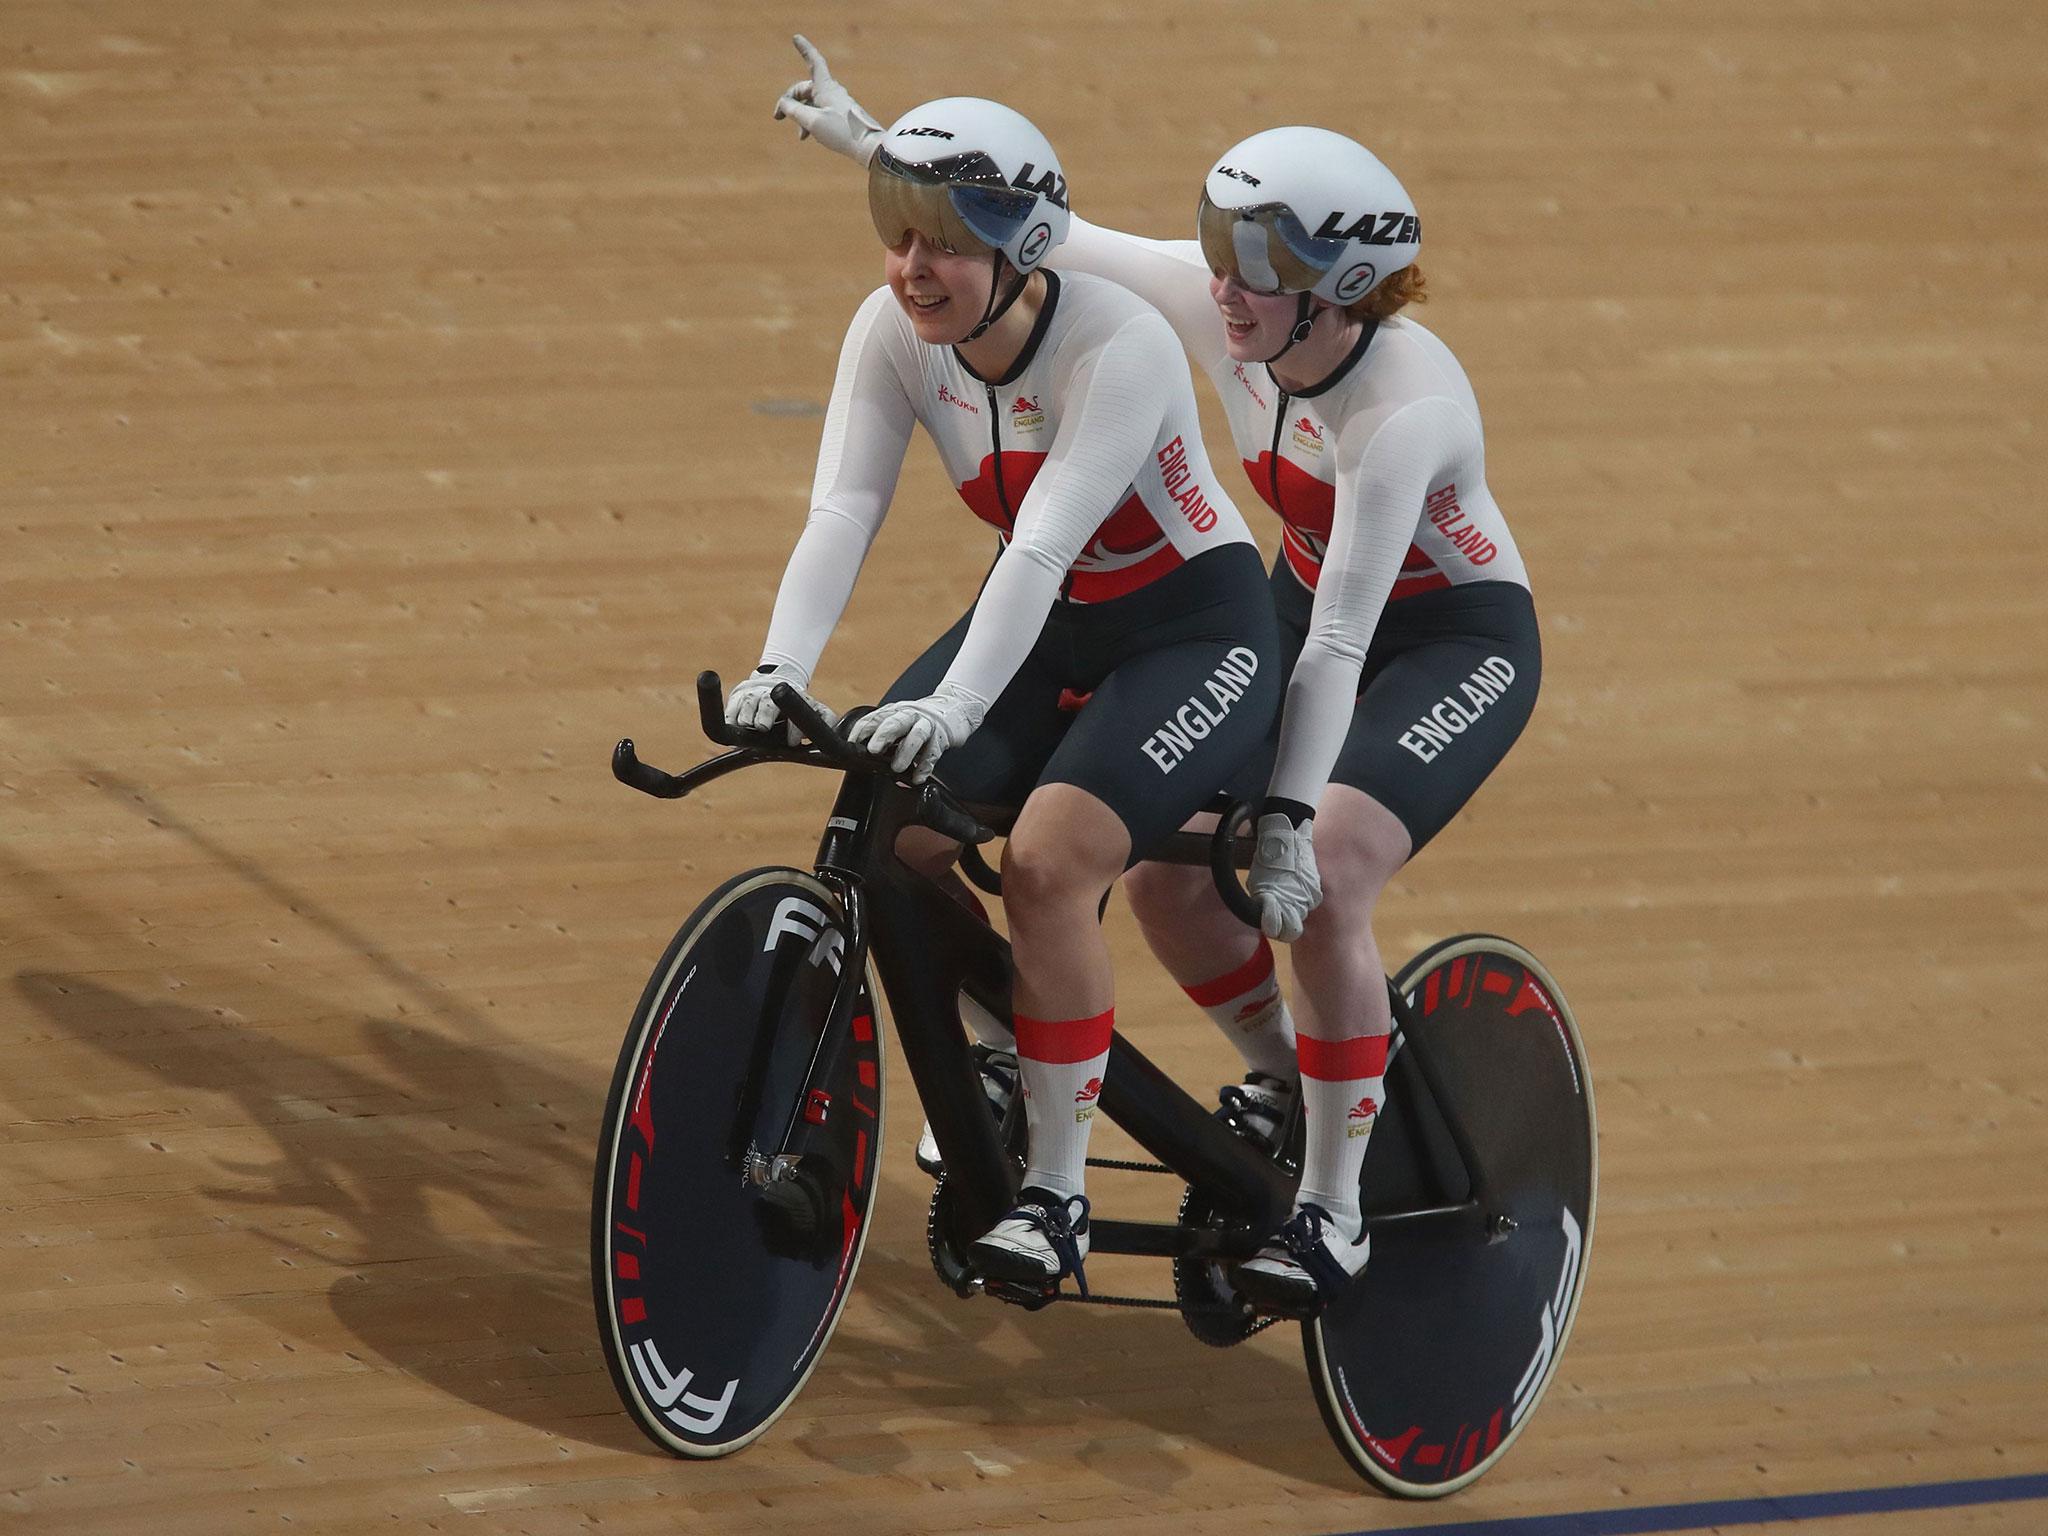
[
  {"x": 1304, "y": 322},
  {"x": 993, "y": 311}
]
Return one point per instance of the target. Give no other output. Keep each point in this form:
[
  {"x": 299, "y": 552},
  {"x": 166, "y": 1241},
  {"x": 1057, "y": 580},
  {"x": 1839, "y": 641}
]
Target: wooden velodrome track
[{"x": 403, "y": 401}]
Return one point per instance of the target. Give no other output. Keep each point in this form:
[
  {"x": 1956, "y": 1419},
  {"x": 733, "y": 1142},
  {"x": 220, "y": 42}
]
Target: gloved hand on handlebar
[
  {"x": 1283, "y": 878},
  {"x": 920, "y": 731},
  {"x": 750, "y": 707},
  {"x": 826, "y": 111}
]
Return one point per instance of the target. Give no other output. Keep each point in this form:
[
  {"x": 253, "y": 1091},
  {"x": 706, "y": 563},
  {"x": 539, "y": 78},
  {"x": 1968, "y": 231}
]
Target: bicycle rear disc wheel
[
  {"x": 713, "y": 1303},
  {"x": 1428, "y": 1368}
]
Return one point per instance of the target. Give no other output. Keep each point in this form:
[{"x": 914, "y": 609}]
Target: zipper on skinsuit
[{"x": 1273, "y": 456}]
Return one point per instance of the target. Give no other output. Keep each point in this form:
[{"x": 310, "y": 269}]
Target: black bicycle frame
[{"x": 927, "y": 948}]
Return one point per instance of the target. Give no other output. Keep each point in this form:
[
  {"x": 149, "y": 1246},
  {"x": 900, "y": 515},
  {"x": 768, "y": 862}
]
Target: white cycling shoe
[
  {"x": 1042, "y": 1241},
  {"x": 1308, "y": 1262}
]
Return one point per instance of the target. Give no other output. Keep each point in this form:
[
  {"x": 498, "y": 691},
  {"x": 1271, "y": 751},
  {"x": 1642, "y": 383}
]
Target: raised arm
[{"x": 1170, "y": 275}]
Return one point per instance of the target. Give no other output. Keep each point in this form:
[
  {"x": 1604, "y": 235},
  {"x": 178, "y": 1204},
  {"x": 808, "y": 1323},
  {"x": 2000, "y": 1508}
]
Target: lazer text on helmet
[{"x": 1394, "y": 228}]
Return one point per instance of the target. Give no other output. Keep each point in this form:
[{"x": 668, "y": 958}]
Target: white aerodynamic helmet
[
  {"x": 1304, "y": 210},
  {"x": 969, "y": 175}
]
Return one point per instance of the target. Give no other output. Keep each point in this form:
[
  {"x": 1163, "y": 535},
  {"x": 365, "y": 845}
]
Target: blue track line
[{"x": 1722, "y": 1512}]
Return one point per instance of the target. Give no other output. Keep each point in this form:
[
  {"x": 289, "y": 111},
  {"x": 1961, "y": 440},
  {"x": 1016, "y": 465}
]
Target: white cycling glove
[
  {"x": 826, "y": 111},
  {"x": 920, "y": 731},
  {"x": 1283, "y": 877},
  {"x": 749, "y": 707}
]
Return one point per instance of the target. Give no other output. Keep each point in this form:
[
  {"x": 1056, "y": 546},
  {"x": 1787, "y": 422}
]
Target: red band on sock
[
  {"x": 1232, "y": 984},
  {"x": 1342, "y": 1061},
  {"x": 1061, "y": 1042}
]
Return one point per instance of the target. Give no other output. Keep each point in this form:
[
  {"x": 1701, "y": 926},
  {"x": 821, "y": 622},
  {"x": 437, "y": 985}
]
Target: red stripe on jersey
[
  {"x": 1101, "y": 586},
  {"x": 1019, "y": 470},
  {"x": 1128, "y": 529},
  {"x": 1408, "y": 586},
  {"x": 1061, "y": 1042},
  {"x": 1305, "y": 565},
  {"x": 1419, "y": 573},
  {"x": 1304, "y": 501},
  {"x": 1301, "y": 560},
  {"x": 1342, "y": 1061},
  {"x": 1207, "y": 994},
  {"x": 1307, "y": 506}
]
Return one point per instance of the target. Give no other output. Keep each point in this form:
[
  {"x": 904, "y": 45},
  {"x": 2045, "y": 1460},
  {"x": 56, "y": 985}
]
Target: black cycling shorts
[
  {"x": 1449, "y": 681},
  {"x": 1181, "y": 682}
]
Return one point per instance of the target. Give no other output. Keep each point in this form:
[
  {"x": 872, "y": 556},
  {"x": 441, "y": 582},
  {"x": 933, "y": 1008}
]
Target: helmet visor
[
  {"x": 1266, "y": 248},
  {"x": 960, "y": 204}
]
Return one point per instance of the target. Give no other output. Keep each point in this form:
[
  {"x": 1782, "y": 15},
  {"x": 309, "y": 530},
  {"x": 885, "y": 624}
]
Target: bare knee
[
  {"x": 1360, "y": 845},
  {"x": 1041, "y": 875},
  {"x": 1169, "y": 895},
  {"x": 1066, "y": 850}
]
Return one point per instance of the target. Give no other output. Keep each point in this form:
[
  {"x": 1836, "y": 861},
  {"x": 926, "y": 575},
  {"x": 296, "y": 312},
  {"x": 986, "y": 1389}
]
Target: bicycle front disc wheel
[{"x": 718, "y": 1281}]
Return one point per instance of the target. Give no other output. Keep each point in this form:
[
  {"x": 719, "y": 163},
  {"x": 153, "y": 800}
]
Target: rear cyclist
[
  {"x": 1402, "y": 598},
  {"x": 1063, "y": 412}
]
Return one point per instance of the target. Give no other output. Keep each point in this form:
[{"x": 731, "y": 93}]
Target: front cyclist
[
  {"x": 1063, "y": 412},
  {"x": 1401, "y": 596}
]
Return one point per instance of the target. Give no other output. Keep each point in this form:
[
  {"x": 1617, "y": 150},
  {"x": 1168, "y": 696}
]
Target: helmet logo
[
  {"x": 1051, "y": 186},
  {"x": 924, "y": 133},
  {"x": 1355, "y": 281},
  {"x": 1236, "y": 175},
  {"x": 1034, "y": 244},
  {"x": 1395, "y": 228}
]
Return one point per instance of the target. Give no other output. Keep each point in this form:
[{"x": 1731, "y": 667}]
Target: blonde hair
[{"x": 1404, "y": 287}]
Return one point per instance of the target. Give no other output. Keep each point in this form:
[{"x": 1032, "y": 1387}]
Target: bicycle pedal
[
  {"x": 1286, "y": 1312},
  {"x": 1274, "y": 1304},
  {"x": 1032, "y": 1298}
]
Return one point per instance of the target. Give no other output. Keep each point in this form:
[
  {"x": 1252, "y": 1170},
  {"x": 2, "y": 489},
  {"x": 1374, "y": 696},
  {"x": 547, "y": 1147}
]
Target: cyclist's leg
[
  {"x": 1393, "y": 789},
  {"x": 1342, "y": 1016},
  {"x": 1180, "y": 704},
  {"x": 998, "y": 765},
  {"x": 1225, "y": 967},
  {"x": 1067, "y": 848},
  {"x": 1105, "y": 797}
]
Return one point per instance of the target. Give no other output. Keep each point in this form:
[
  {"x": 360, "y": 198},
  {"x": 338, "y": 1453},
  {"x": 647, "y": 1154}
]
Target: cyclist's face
[
  {"x": 945, "y": 293},
  {"x": 1255, "y": 325}
]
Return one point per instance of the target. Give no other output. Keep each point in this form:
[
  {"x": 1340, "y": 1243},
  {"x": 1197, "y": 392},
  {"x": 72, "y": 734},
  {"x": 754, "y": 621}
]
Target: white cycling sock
[
  {"x": 1343, "y": 1084},
  {"x": 1061, "y": 1063},
  {"x": 1246, "y": 1005}
]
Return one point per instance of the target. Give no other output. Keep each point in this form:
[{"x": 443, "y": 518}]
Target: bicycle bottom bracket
[{"x": 1209, "y": 1304}]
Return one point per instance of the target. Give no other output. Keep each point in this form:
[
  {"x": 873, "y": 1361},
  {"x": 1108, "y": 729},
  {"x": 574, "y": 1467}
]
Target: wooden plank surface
[{"x": 403, "y": 401}]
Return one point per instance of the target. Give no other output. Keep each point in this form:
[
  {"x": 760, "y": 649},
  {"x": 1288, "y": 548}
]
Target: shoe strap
[
  {"x": 1304, "y": 1237},
  {"x": 1051, "y": 1216}
]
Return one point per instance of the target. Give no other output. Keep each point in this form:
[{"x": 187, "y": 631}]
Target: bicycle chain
[
  {"x": 1154, "y": 1304},
  {"x": 1124, "y": 1167}
]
